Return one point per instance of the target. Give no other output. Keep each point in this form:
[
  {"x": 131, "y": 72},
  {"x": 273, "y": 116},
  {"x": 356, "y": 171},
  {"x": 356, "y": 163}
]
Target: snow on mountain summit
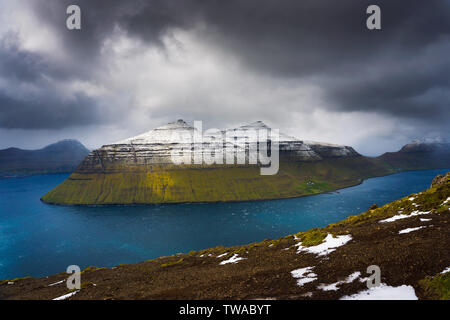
[
  {"x": 156, "y": 146},
  {"x": 173, "y": 132}
]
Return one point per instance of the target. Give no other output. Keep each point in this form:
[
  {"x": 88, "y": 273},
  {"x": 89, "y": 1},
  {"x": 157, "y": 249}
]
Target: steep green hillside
[{"x": 171, "y": 184}]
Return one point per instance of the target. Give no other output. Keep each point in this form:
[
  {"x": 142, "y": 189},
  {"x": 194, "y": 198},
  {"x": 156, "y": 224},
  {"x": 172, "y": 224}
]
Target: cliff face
[
  {"x": 332, "y": 151},
  {"x": 63, "y": 156},
  {"x": 158, "y": 147},
  {"x": 407, "y": 240}
]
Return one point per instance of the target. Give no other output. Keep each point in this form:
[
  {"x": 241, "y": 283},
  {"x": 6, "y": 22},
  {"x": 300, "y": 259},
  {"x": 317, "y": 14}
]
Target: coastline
[
  {"x": 270, "y": 261},
  {"x": 361, "y": 181}
]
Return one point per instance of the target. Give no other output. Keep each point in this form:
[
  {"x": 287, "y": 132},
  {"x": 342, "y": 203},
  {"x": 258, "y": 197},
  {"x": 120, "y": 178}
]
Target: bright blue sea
[{"x": 38, "y": 239}]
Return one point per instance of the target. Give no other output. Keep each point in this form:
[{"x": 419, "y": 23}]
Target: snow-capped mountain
[
  {"x": 426, "y": 145},
  {"x": 143, "y": 170},
  {"x": 159, "y": 145}
]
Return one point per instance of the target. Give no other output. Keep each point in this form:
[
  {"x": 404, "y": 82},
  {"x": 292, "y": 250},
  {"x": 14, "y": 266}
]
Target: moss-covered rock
[{"x": 312, "y": 237}]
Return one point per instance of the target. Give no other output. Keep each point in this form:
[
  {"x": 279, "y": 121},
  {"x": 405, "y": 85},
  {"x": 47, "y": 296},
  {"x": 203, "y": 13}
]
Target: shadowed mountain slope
[{"x": 63, "y": 156}]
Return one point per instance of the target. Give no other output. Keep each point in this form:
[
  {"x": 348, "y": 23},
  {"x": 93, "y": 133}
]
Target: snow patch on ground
[
  {"x": 411, "y": 199},
  {"x": 304, "y": 275},
  {"x": 446, "y": 201},
  {"x": 404, "y": 216},
  {"x": 334, "y": 286},
  {"x": 222, "y": 255},
  {"x": 64, "y": 297},
  {"x": 329, "y": 287},
  {"x": 446, "y": 270},
  {"x": 235, "y": 258},
  {"x": 54, "y": 284},
  {"x": 384, "y": 292},
  {"x": 364, "y": 279},
  {"x": 424, "y": 220},
  {"x": 327, "y": 246},
  {"x": 408, "y": 230}
]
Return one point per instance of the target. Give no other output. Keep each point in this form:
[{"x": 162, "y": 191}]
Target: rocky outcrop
[{"x": 440, "y": 180}]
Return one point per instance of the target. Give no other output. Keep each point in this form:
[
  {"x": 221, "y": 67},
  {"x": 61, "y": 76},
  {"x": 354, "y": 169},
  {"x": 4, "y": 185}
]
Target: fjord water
[{"x": 38, "y": 239}]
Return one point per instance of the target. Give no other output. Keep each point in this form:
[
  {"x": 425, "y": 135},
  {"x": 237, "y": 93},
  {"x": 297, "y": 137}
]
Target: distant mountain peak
[
  {"x": 171, "y": 132},
  {"x": 426, "y": 145},
  {"x": 66, "y": 144},
  {"x": 61, "y": 156}
]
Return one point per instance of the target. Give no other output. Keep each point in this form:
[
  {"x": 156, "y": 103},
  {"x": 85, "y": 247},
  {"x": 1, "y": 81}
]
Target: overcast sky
[{"x": 310, "y": 68}]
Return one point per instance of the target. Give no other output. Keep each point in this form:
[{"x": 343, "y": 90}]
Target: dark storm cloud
[
  {"x": 150, "y": 20},
  {"x": 389, "y": 71},
  {"x": 418, "y": 91},
  {"x": 18, "y": 65},
  {"x": 47, "y": 111},
  {"x": 30, "y": 100},
  {"x": 298, "y": 39}
]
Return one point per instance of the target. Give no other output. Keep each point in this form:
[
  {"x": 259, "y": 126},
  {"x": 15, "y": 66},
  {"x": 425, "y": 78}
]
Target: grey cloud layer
[
  {"x": 30, "y": 98},
  {"x": 401, "y": 71}
]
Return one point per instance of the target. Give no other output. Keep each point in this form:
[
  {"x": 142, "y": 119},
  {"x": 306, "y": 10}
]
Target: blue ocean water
[{"x": 38, "y": 239}]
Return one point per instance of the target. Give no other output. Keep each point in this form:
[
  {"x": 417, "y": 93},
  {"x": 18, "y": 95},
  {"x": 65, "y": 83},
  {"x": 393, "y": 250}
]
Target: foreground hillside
[
  {"x": 63, "y": 156},
  {"x": 408, "y": 239}
]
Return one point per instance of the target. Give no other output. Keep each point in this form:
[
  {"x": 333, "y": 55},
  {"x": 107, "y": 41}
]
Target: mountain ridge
[
  {"x": 140, "y": 170},
  {"x": 62, "y": 156}
]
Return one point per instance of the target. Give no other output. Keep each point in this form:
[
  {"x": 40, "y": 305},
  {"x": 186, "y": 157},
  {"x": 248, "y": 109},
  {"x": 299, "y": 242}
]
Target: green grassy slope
[
  {"x": 111, "y": 182},
  {"x": 140, "y": 185}
]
